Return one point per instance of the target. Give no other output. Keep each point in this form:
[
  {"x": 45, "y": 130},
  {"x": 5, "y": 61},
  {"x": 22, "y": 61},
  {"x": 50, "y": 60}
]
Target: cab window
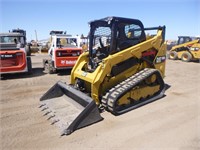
[{"x": 133, "y": 31}]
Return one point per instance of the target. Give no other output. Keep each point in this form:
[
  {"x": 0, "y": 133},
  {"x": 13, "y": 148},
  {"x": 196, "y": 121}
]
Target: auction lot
[{"x": 170, "y": 123}]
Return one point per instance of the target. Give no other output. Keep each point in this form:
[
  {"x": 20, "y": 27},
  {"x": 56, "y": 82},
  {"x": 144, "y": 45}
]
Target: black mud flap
[{"x": 68, "y": 108}]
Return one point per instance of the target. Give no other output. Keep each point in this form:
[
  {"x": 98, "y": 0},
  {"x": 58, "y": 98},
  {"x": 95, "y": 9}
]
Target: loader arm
[{"x": 174, "y": 48}]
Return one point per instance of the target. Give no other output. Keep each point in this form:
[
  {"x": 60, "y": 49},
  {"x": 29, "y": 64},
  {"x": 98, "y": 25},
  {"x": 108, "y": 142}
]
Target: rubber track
[{"x": 109, "y": 100}]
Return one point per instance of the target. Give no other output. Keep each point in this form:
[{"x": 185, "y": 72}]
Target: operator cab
[
  {"x": 113, "y": 34},
  {"x": 66, "y": 42},
  {"x": 185, "y": 39},
  {"x": 11, "y": 41}
]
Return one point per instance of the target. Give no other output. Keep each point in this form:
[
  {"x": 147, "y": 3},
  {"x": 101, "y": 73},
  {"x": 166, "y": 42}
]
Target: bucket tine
[
  {"x": 54, "y": 121},
  {"x": 51, "y": 116},
  {"x": 47, "y": 112},
  {"x": 44, "y": 108},
  {"x": 42, "y": 105}
]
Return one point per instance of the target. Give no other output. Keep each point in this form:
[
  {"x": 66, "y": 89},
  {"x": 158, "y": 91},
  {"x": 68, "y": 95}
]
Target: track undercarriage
[{"x": 139, "y": 89}]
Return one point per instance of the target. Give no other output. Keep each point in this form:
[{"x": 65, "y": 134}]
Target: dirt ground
[{"x": 171, "y": 123}]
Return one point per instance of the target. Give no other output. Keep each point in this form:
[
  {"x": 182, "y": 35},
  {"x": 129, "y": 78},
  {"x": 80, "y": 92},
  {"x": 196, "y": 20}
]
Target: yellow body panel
[
  {"x": 196, "y": 54},
  {"x": 195, "y": 50},
  {"x": 99, "y": 81}
]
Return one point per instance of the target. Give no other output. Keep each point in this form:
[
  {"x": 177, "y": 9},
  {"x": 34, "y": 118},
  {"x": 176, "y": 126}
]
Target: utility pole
[{"x": 36, "y": 36}]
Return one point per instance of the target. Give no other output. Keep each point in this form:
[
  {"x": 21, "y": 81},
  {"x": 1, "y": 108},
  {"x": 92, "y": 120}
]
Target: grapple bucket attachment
[{"x": 68, "y": 108}]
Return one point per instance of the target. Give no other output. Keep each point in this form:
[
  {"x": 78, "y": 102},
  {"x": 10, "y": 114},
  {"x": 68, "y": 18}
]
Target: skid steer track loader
[
  {"x": 187, "y": 49},
  {"x": 122, "y": 70}
]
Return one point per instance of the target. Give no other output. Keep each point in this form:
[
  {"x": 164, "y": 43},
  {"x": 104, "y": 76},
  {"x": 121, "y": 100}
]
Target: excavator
[
  {"x": 187, "y": 49},
  {"x": 123, "y": 69}
]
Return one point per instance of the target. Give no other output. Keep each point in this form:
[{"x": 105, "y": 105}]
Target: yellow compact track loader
[
  {"x": 122, "y": 70},
  {"x": 187, "y": 49}
]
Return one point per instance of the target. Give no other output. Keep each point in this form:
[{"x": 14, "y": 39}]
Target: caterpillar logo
[{"x": 160, "y": 59}]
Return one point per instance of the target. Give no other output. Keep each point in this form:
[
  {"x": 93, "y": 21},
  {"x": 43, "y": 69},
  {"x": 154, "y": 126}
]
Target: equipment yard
[{"x": 172, "y": 122}]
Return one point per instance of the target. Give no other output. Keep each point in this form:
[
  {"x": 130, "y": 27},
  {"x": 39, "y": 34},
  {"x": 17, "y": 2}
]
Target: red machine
[
  {"x": 14, "y": 53},
  {"x": 64, "y": 52}
]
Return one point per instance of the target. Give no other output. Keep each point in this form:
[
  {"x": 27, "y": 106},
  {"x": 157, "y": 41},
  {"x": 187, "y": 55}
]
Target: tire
[
  {"x": 28, "y": 50},
  {"x": 48, "y": 67},
  {"x": 173, "y": 55},
  {"x": 186, "y": 57},
  {"x": 29, "y": 65},
  {"x": 2, "y": 77}
]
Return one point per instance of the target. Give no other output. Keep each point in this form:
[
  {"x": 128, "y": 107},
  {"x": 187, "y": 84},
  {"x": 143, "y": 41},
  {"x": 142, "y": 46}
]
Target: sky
[{"x": 181, "y": 17}]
